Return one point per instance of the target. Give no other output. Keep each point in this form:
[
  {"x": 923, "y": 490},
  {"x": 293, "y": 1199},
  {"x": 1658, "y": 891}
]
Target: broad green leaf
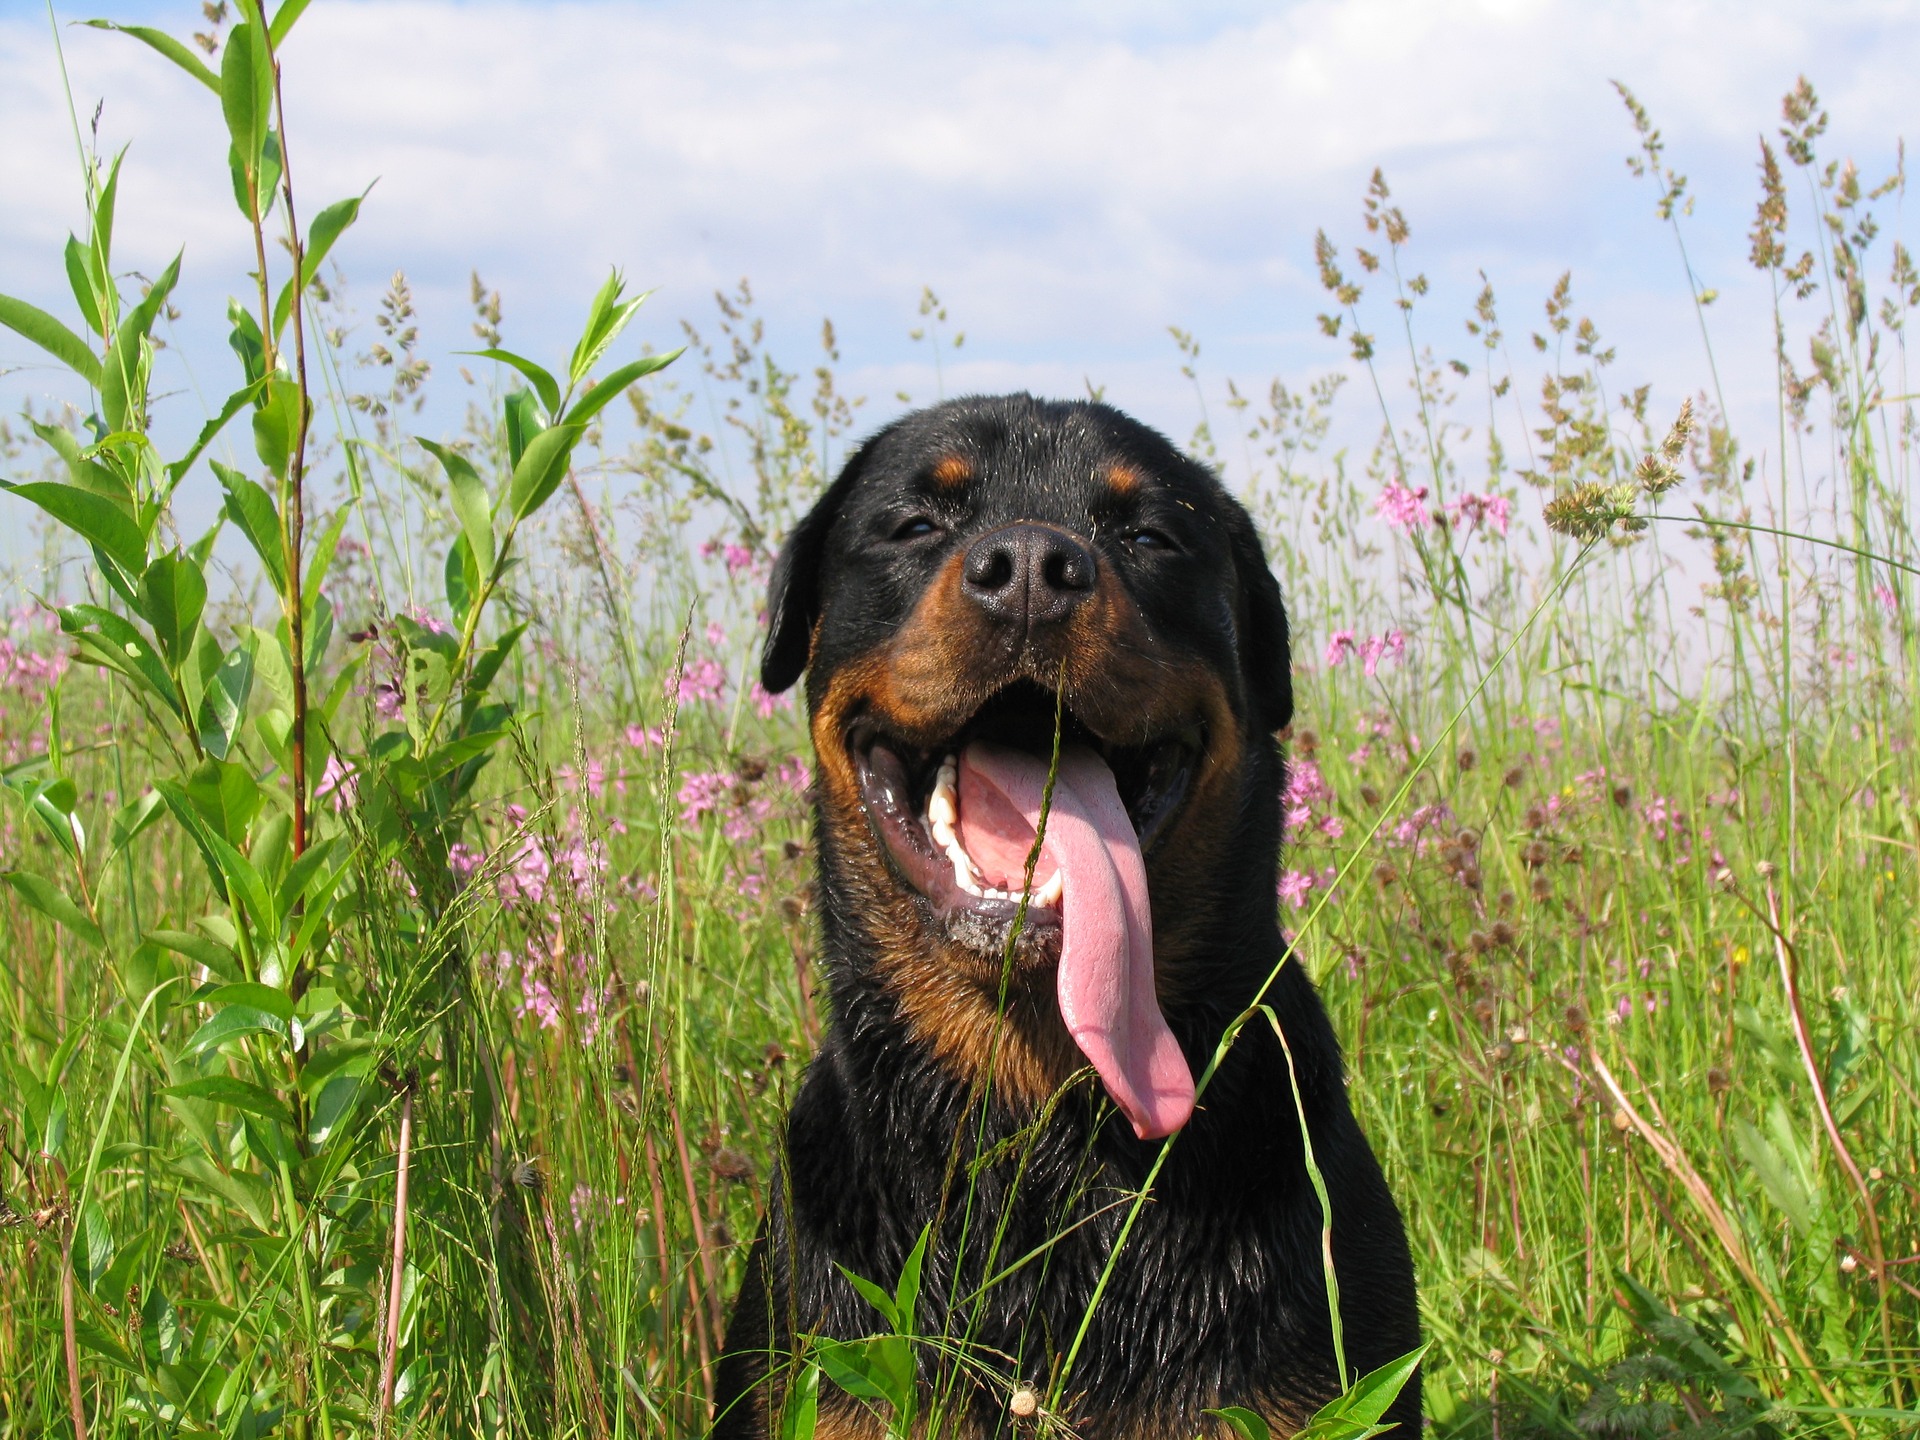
[
  {"x": 50, "y": 900},
  {"x": 252, "y": 511},
  {"x": 240, "y": 1094},
  {"x": 258, "y": 197},
  {"x": 232, "y": 1021},
  {"x": 319, "y": 631},
  {"x": 326, "y": 228},
  {"x": 848, "y": 1364},
  {"x": 1357, "y": 1413},
  {"x": 224, "y": 704},
  {"x": 277, "y": 425},
  {"x": 51, "y": 336},
  {"x": 246, "y": 92},
  {"x": 199, "y": 949},
  {"x": 906, "y": 1295},
  {"x": 1773, "y": 1172},
  {"x": 226, "y": 796},
  {"x": 167, "y": 46},
  {"x": 875, "y": 1296},
  {"x": 303, "y": 873},
  {"x": 93, "y": 517},
  {"x": 333, "y": 1104},
  {"x": 50, "y": 799},
  {"x": 173, "y": 592},
  {"x": 543, "y": 383},
  {"x": 337, "y": 1057},
  {"x": 524, "y": 419},
  {"x": 541, "y": 469},
  {"x": 470, "y": 501},
  {"x": 109, "y": 639},
  {"x": 615, "y": 385},
  {"x": 270, "y": 661}
]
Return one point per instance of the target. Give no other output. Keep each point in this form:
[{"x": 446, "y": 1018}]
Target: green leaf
[
  {"x": 123, "y": 369},
  {"x": 906, "y": 1295},
  {"x": 79, "y": 263},
  {"x": 492, "y": 658},
  {"x": 245, "y": 341},
  {"x": 462, "y": 578},
  {"x": 50, "y": 900},
  {"x": 246, "y": 93},
  {"x": 850, "y": 1366},
  {"x": 100, "y": 254},
  {"x": 543, "y": 383},
  {"x": 606, "y": 318},
  {"x": 254, "y": 191},
  {"x": 277, "y": 425},
  {"x": 326, "y": 228},
  {"x": 470, "y": 501},
  {"x": 225, "y": 703},
  {"x": 93, "y": 517},
  {"x": 525, "y": 419},
  {"x": 173, "y": 592},
  {"x": 232, "y": 1022},
  {"x": 252, "y": 511},
  {"x": 1356, "y": 1414},
  {"x": 51, "y": 336},
  {"x": 227, "y": 797},
  {"x": 323, "y": 549},
  {"x": 1775, "y": 1175},
  {"x": 109, "y": 639},
  {"x": 333, "y": 1104},
  {"x": 166, "y": 45},
  {"x": 800, "y": 1412},
  {"x": 197, "y": 948},
  {"x": 283, "y": 20},
  {"x": 541, "y": 469},
  {"x": 240, "y": 1094},
  {"x": 1243, "y": 1422},
  {"x": 88, "y": 474},
  {"x": 235, "y": 403},
  {"x": 875, "y": 1296},
  {"x": 131, "y": 819},
  {"x": 615, "y": 385}
]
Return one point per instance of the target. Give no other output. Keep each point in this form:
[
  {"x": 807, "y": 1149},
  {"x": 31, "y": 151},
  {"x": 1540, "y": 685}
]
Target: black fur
[{"x": 1218, "y": 1296}]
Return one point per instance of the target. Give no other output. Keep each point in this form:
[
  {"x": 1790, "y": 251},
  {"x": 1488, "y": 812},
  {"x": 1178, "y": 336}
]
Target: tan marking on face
[
  {"x": 1122, "y": 478},
  {"x": 950, "y": 472}
]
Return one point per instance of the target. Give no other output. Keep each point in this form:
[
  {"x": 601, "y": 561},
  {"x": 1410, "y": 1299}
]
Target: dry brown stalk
[
  {"x": 1697, "y": 1189},
  {"x": 68, "y": 1343},
  {"x": 1784, "y": 950}
]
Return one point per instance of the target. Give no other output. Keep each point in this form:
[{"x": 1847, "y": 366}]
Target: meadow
[{"x": 406, "y": 959}]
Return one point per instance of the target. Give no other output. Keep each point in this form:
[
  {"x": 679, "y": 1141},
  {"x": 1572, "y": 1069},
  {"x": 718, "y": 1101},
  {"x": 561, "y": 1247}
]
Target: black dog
[{"x": 972, "y": 568}]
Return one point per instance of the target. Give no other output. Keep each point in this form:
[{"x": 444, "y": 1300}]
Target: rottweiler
[{"x": 1022, "y": 616}]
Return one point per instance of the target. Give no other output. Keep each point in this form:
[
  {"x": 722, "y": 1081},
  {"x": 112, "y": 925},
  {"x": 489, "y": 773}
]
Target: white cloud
[{"x": 1071, "y": 179}]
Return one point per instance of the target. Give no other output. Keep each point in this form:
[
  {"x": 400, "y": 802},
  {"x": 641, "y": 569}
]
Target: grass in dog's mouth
[{"x": 910, "y": 793}]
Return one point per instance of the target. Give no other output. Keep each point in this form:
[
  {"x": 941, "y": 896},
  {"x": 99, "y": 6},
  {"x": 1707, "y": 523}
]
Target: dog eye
[
  {"x": 915, "y": 528},
  {"x": 1149, "y": 540}
]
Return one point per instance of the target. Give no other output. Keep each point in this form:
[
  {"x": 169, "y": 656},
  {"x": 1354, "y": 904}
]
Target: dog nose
[{"x": 1030, "y": 573}]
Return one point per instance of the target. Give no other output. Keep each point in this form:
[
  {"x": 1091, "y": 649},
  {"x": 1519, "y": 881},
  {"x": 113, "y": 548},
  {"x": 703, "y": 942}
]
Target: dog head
[{"x": 985, "y": 584}]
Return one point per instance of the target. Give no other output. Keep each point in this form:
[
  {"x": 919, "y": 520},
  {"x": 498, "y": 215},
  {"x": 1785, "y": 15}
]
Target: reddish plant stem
[
  {"x": 68, "y": 1342},
  {"x": 390, "y": 1347}
]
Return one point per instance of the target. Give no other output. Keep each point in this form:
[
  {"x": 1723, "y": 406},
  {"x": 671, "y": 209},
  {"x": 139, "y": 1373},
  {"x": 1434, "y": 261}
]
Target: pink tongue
[{"x": 1106, "y": 949}]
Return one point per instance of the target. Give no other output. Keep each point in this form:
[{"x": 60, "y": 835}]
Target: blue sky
[{"x": 1071, "y": 178}]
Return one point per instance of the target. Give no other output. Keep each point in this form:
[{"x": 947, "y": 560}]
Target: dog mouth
[
  {"x": 927, "y": 805},
  {"x": 1027, "y": 833}
]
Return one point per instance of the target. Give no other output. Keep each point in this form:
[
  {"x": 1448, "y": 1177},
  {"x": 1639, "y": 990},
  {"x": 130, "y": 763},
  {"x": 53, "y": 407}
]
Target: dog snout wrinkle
[{"x": 1030, "y": 575}]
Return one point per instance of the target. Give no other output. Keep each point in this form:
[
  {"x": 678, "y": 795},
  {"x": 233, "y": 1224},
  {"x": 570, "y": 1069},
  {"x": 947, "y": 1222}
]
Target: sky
[{"x": 1070, "y": 178}]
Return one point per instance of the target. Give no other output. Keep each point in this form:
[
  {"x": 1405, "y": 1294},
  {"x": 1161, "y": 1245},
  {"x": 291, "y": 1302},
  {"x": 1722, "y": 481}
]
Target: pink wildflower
[
  {"x": 644, "y": 737},
  {"x": 339, "y": 786},
  {"x": 1476, "y": 511},
  {"x": 764, "y": 704},
  {"x": 1339, "y": 646},
  {"x": 702, "y": 680},
  {"x": 794, "y": 774},
  {"x": 1889, "y": 602},
  {"x": 738, "y": 558},
  {"x": 702, "y": 792},
  {"x": 1402, "y": 508},
  {"x": 1375, "y": 648}
]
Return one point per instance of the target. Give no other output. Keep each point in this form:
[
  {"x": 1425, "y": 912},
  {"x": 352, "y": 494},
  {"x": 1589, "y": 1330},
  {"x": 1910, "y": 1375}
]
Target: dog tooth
[
  {"x": 1049, "y": 894},
  {"x": 940, "y": 808}
]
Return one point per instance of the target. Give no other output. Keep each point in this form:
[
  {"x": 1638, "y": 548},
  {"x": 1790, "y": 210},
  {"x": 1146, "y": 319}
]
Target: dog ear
[
  {"x": 793, "y": 596},
  {"x": 1264, "y": 656}
]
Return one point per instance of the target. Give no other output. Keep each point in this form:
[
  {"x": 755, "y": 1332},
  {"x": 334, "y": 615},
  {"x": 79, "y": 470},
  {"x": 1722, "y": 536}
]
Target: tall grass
[{"x": 407, "y": 960}]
